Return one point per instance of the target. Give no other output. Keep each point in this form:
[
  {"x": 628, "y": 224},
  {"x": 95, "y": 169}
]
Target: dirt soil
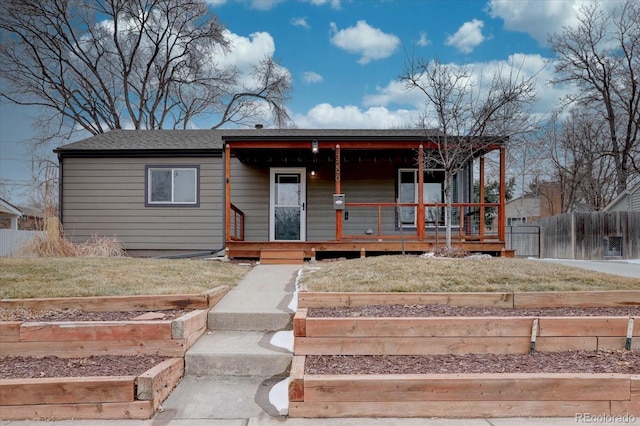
[
  {"x": 105, "y": 365},
  {"x": 54, "y": 315},
  {"x": 623, "y": 362},
  {"x": 465, "y": 311}
]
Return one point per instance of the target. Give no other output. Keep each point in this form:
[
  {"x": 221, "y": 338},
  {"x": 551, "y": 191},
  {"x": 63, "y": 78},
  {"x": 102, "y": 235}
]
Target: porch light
[
  {"x": 313, "y": 173},
  {"x": 314, "y": 147}
]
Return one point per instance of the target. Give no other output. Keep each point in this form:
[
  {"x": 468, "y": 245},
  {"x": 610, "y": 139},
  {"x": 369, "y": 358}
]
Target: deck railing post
[
  {"x": 503, "y": 188},
  {"x": 420, "y": 216},
  {"x": 338, "y": 189},
  {"x": 481, "y": 199}
]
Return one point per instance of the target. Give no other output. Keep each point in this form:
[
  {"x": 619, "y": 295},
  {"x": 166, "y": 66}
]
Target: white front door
[{"x": 287, "y": 206}]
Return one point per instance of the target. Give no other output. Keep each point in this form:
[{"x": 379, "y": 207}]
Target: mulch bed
[
  {"x": 54, "y": 315},
  {"x": 623, "y": 362},
  {"x": 465, "y": 311},
  {"x": 104, "y": 365}
]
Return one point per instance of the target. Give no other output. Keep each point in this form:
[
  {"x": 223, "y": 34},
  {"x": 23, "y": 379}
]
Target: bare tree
[
  {"x": 577, "y": 151},
  {"x": 97, "y": 65},
  {"x": 471, "y": 115},
  {"x": 601, "y": 57}
]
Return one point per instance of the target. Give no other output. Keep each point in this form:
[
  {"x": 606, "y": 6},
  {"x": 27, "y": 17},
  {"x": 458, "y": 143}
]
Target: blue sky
[{"x": 344, "y": 58}]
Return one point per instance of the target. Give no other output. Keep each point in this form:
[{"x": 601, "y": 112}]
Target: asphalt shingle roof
[{"x": 166, "y": 140}]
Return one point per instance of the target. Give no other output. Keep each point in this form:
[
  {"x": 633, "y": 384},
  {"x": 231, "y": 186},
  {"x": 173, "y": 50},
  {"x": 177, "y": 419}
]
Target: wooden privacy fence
[
  {"x": 11, "y": 240},
  {"x": 591, "y": 235}
]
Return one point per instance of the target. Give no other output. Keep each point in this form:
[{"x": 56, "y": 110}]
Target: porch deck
[{"x": 356, "y": 248}]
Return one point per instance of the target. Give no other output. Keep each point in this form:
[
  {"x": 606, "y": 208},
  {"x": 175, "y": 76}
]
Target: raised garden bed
[
  {"x": 113, "y": 397},
  {"x": 93, "y": 397},
  {"x": 77, "y": 339},
  {"x": 462, "y": 394}
]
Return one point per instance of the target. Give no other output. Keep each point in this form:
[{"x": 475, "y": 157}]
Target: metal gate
[{"x": 524, "y": 239}]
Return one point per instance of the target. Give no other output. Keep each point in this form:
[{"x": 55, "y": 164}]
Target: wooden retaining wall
[
  {"x": 103, "y": 397},
  {"x": 159, "y": 302},
  {"x": 119, "y": 397},
  {"x": 457, "y": 335},
  {"x": 76, "y": 339},
  {"x": 85, "y": 338},
  {"x": 545, "y": 299},
  {"x": 461, "y": 395}
]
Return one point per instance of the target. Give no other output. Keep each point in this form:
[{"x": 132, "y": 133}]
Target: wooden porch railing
[
  {"x": 468, "y": 221},
  {"x": 237, "y": 224}
]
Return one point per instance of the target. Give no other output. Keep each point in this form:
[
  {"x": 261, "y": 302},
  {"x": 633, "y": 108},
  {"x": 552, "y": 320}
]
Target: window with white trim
[{"x": 172, "y": 185}]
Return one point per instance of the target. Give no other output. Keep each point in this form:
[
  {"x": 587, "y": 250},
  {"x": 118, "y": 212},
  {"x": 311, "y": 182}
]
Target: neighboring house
[
  {"x": 627, "y": 201},
  {"x": 165, "y": 192},
  {"x": 9, "y": 215},
  {"x": 530, "y": 207}
]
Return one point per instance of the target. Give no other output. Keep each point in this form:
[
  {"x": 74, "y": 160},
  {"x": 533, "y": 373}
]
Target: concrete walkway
[
  {"x": 232, "y": 368},
  {"x": 625, "y": 268}
]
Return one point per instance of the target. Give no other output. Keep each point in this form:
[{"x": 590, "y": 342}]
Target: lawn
[
  {"x": 75, "y": 276},
  {"x": 117, "y": 276},
  {"x": 415, "y": 274}
]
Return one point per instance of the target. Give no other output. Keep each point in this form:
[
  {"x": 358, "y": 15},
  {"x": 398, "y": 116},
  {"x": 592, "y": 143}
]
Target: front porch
[{"x": 351, "y": 196}]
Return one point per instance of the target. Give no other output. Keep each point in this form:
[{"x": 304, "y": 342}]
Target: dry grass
[
  {"x": 52, "y": 245},
  {"x": 93, "y": 276},
  {"x": 415, "y": 274}
]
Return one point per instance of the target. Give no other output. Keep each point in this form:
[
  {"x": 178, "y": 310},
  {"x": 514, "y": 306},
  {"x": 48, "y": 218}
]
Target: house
[
  {"x": 628, "y": 201},
  {"x": 10, "y": 213},
  {"x": 256, "y": 191},
  {"x": 546, "y": 202}
]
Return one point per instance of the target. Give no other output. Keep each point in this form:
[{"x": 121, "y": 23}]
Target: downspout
[{"x": 60, "y": 206}]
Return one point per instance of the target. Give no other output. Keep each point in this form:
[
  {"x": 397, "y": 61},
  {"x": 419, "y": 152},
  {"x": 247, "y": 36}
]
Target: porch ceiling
[{"x": 305, "y": 156}]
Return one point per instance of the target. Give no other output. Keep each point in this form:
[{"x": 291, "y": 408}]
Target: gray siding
[
  {"x": 364, "y": 183},
  {"x": 628, "y": 203},
  {"x": 250, "y": 193},
  {"x": 106, "y": 197}
]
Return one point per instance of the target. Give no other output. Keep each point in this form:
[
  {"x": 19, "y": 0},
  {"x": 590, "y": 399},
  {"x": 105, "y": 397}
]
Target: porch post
[
  {"x": 481, "y": 199},
  {"x": 338, "y": 212},
  {"x": 503, "y": 188},
  {"x": 420, "y": 215},
  {"x": 227, "y": 192}
]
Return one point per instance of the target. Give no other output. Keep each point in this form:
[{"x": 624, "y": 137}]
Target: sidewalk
[{"x": 625, "y": 268}]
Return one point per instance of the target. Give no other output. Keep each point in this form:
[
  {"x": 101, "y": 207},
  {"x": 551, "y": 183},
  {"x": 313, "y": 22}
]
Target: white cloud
[
  {"x": 537, "y": 20},
  {"x": 335, "y": 4},
  {"x": 216, "y": 3},
  {"x": 423, "y": 40},
  {"x": 264, "y": 4},
  {"x": 368, "y": 42},
  {"x": 468, "y": 36},
  {"x": 312, "y": 77},
  {"x": 328, "y": 116},
  {"x": 253, "y": 4},
  {"x": 245, "y": 53},
  {"x": 300, "y": 22},
  {"x": 395, "y": 106}
]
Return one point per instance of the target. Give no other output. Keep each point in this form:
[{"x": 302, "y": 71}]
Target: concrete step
[
  {"x": 259, "y": 303},
  {"x": 236, "y": 353},
  {"x": 249, "y": 321},
  {"x": 205, "y": 399}
]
